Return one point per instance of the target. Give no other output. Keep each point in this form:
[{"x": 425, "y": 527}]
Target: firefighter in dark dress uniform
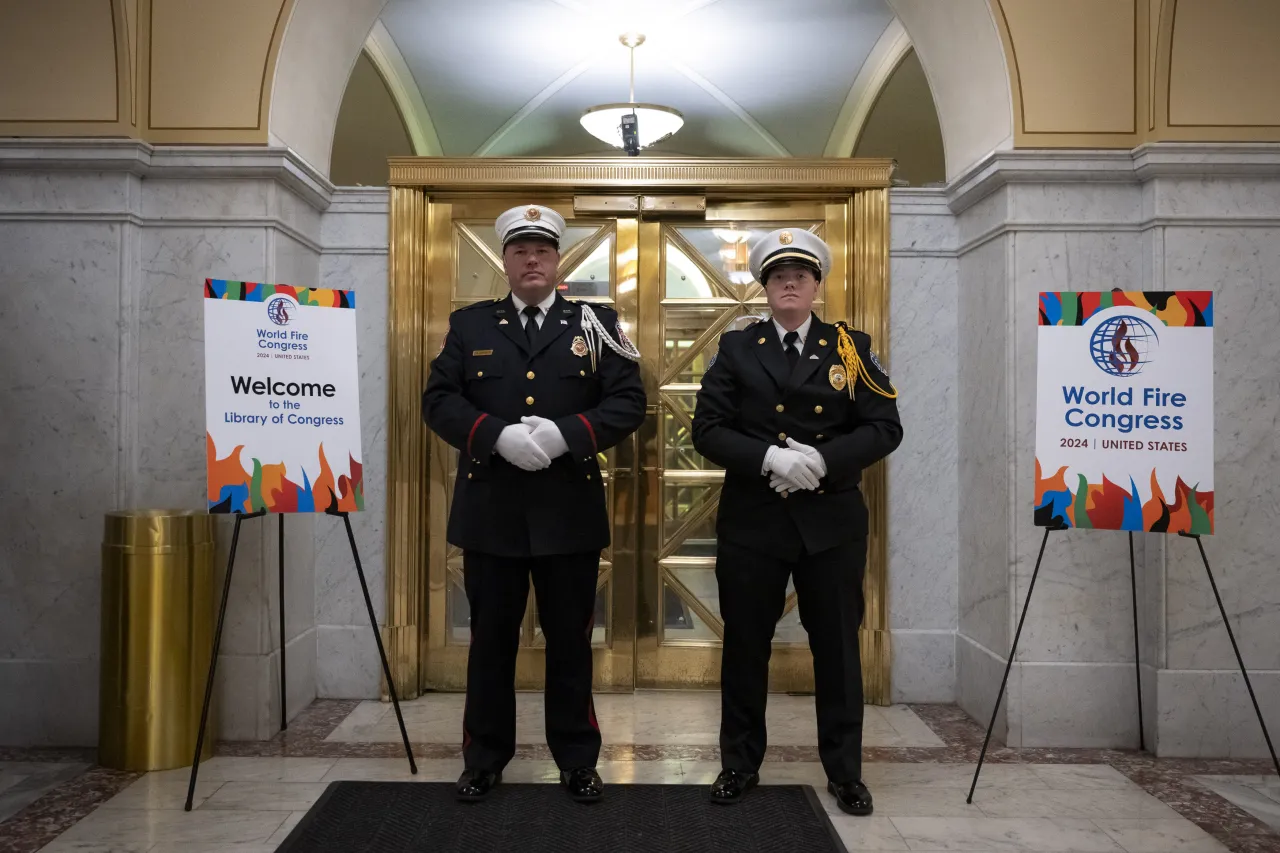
[
  {"x": 794, "y": 409},
  {"x": 529, "y": 389}
]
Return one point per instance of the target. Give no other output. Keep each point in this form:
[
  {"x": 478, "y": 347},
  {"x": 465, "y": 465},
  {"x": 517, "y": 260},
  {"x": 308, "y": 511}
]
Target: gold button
[
  {"x": 822, "y": 491},
  {"x": 479, "y": 373},
  {"x": 528, "y": 401},
  {"x": 588, "y": 476},
  {"x": 784, "y": 494},
  {"x": 468, "y": 476},
  {"x": 779, "y": 408},
  {"x": 760, "y": 341},
  {"x": 819, "y": 435},
  {"x": 529, "y": 375},
  {"x": 582, "y": 373},
  {"x": 817, "y": 410},
  {"x": 782, "y": 436},
  {"x": 822, "y": 342}
]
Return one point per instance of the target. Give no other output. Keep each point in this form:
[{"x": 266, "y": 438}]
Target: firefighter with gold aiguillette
[
  {"x": 529, "y": 389},
  {"x": 794, "y": 409}
]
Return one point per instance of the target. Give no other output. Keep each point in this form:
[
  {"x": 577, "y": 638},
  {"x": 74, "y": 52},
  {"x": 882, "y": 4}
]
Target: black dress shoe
[
  {"x": 583, "y": 784},
  {"x": 475, "y": 785},
  {"x": 732, "y": 785},
  {"x": 852, "y": 797}
]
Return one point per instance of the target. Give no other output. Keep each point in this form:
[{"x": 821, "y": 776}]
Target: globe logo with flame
[
  {"x": 1122, "y": 345},
  {"x": 280, "y": 311}
]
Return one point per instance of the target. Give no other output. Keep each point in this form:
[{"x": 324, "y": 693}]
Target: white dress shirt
[
  {"x": 543, "y": 307},
  {"x": 803, "y": 331}
]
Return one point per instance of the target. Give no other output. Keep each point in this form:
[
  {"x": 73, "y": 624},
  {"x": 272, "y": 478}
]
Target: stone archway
[{"x": 957, "y": 42}]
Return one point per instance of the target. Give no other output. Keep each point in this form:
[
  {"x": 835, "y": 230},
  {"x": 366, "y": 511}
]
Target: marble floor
[{"x": 919, "y": 764}]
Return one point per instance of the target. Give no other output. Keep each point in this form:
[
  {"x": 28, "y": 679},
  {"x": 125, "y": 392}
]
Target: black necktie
[
  {"x": 789, "y": 346},
  {"x": 530, "y": 324}
]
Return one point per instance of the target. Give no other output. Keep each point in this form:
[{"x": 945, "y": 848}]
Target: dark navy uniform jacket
[
  {"x": 485, "y": 379},
  {"x": 751, "y": 399}
]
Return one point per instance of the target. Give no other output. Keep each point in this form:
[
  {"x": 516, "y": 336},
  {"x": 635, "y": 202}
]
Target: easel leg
[
  {"x": 995, "y": 710},
  {"x": 213, "y": 660},
  {"x": 1137, "y": 658},
  {"x": 284, "y": 710},
  {"x": 377, "y": 636},
  {"x": 1235, "y": 648}
]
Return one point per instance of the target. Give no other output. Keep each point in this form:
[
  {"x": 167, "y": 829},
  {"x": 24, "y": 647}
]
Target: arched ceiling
[{"x": 752, "y": 77}]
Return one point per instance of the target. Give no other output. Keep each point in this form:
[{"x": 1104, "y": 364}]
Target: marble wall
[
  {"x": 1160, "y": 218},
  {"x": 104, "y": 247},
  {"x": 923, "y": 472}
]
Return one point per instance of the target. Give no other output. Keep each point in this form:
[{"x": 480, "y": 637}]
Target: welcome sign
[
  {"x": 1124, "y": 411},
  {"x": 282, "y": 398}
]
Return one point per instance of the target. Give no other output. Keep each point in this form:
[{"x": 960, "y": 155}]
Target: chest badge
[
  {"x": 579, "y": 346},
  {"x": 836, "y": 377}
]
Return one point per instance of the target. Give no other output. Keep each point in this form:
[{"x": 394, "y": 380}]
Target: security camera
[{"x": 631, "y": 135}]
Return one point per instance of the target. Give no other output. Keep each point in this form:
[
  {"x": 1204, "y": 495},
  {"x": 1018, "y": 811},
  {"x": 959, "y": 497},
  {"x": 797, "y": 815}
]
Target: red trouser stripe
[{"x": 472, "y": 434}]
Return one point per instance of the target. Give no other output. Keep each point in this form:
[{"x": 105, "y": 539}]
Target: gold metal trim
[
  {"x": 870, "y": 312},
  {"x": 748, "y": 175},
  {"x": 407, "y": 485}
]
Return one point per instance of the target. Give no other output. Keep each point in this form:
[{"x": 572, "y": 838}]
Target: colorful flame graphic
[
  {"x": 232, "y": 488},
  {"x": 1110, "y": 506},
  {"x": 256, "y": 291},
  {"x": 1173, "y": 308}
]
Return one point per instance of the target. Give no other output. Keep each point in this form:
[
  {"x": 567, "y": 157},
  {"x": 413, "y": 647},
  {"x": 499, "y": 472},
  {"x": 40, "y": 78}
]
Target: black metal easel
[
  {"x": 217, "y": 642},
  {"x": 1133, "y": 576}
]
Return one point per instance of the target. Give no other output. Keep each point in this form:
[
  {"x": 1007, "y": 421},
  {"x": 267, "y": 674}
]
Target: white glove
[
  {"x": 516, "y": 445},
  {"x": 793, "y": 470},
  {"x": 546, "y": 435},
  {"x": 819, "y": 464}
]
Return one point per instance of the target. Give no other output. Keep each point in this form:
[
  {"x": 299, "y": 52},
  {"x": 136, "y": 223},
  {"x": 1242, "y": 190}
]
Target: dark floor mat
[{"x": 389, "y": 817}]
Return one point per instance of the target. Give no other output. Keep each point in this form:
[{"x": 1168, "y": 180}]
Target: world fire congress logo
[
  {"x": 280, "y": 311},
  {"x": 1121, "y": 346}
]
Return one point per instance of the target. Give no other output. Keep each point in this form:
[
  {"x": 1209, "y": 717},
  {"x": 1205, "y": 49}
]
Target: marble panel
[
  {"x": 923, "y": 487},
  {"x": 339, "y": 600},
  {"x": 1074, "y": 705},
  {"x": 49, "y": 703},
  {"x": 924, "y": 666},
  {"x": 59, "y": 331},
  {"x": 1207, "y": 714},
  {"x": 347, "y": 665},
  {"x": 982, "y": 441},
  {"x": 1214, "y": 197},
  {"x": 66, "y": 192},
  {"x": 978, "y": 674},
  {"x": 1242, "y": 267},
  {"x": 205, "y": 199},
  {"x": 1052, "y": 203}
]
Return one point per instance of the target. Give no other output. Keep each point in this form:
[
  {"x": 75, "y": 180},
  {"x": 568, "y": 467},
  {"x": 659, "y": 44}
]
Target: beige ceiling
[{"x": 751, "y": 77}]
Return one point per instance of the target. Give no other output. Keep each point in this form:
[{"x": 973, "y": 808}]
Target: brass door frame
[{"x": 634, "y": 182}]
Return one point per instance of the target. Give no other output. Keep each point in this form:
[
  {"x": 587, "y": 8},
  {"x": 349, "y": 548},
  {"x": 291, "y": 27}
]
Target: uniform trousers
[
  {"x": 498, "y": 591},
  {"x": 753, "y": 591}
]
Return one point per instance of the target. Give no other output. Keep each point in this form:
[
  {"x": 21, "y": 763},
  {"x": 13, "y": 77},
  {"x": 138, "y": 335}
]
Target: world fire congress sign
[
  {"x": 282, "y": 398},
  {"x": 1124, "y": 411}
]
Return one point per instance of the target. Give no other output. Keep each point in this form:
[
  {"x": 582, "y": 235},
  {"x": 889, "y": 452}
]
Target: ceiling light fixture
[{"x": 631, "y": 126}]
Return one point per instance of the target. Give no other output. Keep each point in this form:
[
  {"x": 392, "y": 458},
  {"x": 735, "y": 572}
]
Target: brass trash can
[{"x": 157, "y": 635}]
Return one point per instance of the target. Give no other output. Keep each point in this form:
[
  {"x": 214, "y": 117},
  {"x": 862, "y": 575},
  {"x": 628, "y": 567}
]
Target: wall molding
[
  {"x": 1139, "y": 165},
  {"x": 169, "y": 161}
]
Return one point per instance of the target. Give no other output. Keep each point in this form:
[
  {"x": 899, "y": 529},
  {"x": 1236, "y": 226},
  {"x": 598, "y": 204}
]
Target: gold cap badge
[
  {"x": 533, "y": 214},
  {"x": 785, "y": 238}
]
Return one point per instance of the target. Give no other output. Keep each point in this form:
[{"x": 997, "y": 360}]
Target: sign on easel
[
  {"x": 282, "y": 398},
  {"x": 1124, "y": 411}
]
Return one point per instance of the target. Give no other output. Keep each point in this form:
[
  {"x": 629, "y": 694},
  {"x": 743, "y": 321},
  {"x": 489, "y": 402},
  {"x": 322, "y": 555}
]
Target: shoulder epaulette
[{"x": 483, "y": 303}]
